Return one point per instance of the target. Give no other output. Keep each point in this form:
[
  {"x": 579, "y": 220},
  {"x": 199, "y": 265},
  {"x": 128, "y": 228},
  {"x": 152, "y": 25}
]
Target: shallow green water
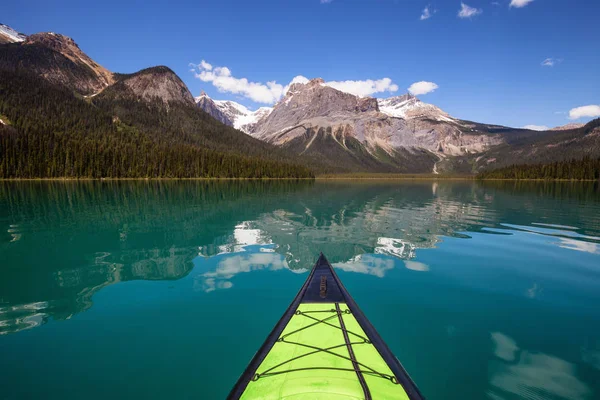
[{"x": 166, "y": 289}]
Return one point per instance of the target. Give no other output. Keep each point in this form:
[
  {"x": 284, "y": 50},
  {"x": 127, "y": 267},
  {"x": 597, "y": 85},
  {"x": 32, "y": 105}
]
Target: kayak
[{"x": 323, "y": 347}]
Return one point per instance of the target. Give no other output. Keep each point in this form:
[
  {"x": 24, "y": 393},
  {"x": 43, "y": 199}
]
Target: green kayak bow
[{"x": 324, "y": 348}]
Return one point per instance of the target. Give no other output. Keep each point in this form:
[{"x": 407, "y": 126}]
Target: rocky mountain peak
[
  {"x": 409, "y": 107},
  {"x": 9, "y": 35},
  {"x": 208, "y": 105},
  {"x": 68, "y": 48},
  {"x": 157, "y": 82}
]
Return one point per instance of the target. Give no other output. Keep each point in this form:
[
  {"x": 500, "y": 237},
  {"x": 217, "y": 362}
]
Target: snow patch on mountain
[
  {"x": 409, "y": 107},
  {"x": 11, "y": 35},
  {"x": 240, "y": 116}
]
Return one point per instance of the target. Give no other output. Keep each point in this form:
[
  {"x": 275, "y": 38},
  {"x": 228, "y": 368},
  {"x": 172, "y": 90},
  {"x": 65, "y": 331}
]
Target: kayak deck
[{"x": 324, "y": 348}]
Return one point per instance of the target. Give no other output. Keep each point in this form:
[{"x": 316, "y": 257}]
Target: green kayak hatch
[{"x": 324, "y": 348}]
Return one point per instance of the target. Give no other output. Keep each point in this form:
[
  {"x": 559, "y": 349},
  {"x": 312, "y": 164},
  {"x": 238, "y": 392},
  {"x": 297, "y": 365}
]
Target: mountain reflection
[{"x": 61, "y": 242}]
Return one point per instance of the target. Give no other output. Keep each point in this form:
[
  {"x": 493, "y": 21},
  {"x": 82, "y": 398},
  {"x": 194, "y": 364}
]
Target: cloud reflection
[
  {"x": 578, "y": 245},
  {"x": 531, "y": 375},
  {"x": 232, "y": 265},
  {"x": 367, "y": 264}
]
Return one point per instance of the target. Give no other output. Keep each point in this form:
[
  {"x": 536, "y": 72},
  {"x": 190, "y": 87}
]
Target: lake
[{"x": 165, "y": 289}]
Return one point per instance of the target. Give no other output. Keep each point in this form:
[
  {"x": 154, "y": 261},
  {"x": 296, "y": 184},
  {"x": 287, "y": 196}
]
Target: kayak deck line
[
  {"x": 323, "y": 347},
  {"x": 355, "y": 363},
  {"x": 328, "y": 350}
]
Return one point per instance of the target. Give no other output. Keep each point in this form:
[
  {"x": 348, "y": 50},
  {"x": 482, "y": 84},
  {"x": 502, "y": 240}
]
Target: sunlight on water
[{"x": 482, "y": 291}]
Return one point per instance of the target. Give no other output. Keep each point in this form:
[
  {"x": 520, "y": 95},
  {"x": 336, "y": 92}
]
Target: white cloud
[
  {"x": 326, "y": 1},
  {"x": 519, "y": 3},
  {"x": 364, "y": 88},
  {"x": 551, "y": 62},
  {"x": 468, "y": 12},
  {"x": 426, "y": 14},
  {"x": 206, "y": 65},
  {"x": 423, "y": 87},
  {"x": 270, "y": 92},
  {"x": 297, "y": 79},
  {"x": 591, "y": 111},
  {"x": 536, "y": 127},
  {"x": 222, "y": 79}
]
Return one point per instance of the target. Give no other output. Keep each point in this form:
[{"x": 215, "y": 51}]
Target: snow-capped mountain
[
  {"x": 316, "y": 119},
  {"x": 9, "y": 35},
  {"x": 409, "y": 107},
  {"x": 402, "y": 122},
  {"x": 232, "y": 113},
  {"x": 208, "y": 106}
]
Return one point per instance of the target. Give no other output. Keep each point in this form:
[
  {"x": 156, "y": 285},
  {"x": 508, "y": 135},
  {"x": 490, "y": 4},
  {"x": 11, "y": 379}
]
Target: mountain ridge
[{"x": 314, "y": 124}]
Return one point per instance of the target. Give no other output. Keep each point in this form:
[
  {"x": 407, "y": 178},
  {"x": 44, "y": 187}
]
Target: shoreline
[{"x": 341, "y": 177}]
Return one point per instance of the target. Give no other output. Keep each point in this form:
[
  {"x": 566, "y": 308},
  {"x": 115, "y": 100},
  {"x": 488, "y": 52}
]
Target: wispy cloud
[
  {"x": 591, "y": 111},
  {"x": 365, "y": 88},
  {"x": 551, "y": 62},
  {"x": 326, "y": 1},
  {"x": 422, "y": 87},
  {"x": 468, "y": 12},
  {"x": 519, "y": 3},
  {"x": 536, "y": 127},
  {"x": 206, "y": 65},
  {"x": 270, "y": 92},
  {"x": 426, "y": 13}
]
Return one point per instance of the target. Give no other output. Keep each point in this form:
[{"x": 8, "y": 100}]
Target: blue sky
[{"x": 487, "y": 67}]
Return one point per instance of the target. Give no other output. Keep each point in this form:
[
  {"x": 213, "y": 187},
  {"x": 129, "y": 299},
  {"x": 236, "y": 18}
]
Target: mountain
[
  {"x": 54, "y": 57},
  {"x": 63, "y": 115},
  {"x": 544, "y": 147},
  {"x": 155, "y": 83},
  {"x": 399, "y": 134},
  {"x": 336, "y": 131},
  {"x": 232, "y": 113},
  {"x": 410, "y": 107},
  {"x": 568, "y": 127},
  {"x": 9, "y": 35},
  {"x": 208, "y": 105}
]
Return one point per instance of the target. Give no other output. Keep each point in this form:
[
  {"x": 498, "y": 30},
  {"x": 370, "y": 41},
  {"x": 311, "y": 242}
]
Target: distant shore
[{"x": 324, "y": 177}]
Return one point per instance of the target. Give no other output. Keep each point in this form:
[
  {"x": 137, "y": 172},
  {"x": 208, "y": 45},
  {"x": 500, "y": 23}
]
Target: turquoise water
[{"x": 166, "y": 289}]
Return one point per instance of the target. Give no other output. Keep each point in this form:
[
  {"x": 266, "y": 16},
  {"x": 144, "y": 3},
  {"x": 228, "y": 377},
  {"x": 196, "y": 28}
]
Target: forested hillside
[
  {"x": 584, "y": 169},
  {"x": 49, "y": 132}
]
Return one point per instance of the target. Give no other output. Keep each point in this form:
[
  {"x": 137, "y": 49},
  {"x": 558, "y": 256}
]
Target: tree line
[{"x": 586, "y": 168}]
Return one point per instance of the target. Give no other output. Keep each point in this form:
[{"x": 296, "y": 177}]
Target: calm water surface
[{"x": 166, "y": 289}]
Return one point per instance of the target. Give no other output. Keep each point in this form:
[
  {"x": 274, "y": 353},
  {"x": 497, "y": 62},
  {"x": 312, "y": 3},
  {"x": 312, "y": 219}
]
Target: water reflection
[
  {"x": 232, "y": 265},
  {"x": 532, "y": 375},
  {"x": 63, "y": 242}
]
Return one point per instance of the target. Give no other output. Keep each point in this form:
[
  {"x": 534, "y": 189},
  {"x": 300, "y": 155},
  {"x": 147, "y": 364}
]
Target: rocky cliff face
[
  {"x": 56, "y": 58},
  {"x": 151, "y": 84},
  {"x": 208, "y": 105},
  {"x": 67, "y": 47},
  {"x": 384, "y": 128}
]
